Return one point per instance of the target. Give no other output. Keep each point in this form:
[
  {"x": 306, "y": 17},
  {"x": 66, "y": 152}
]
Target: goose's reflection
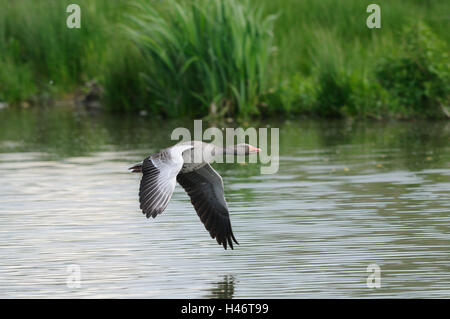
[{"x": 223, "y": 289}]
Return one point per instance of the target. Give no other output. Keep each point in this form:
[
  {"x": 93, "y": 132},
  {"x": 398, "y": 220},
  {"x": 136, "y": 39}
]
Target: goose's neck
[{"x": 229, "y": 150}]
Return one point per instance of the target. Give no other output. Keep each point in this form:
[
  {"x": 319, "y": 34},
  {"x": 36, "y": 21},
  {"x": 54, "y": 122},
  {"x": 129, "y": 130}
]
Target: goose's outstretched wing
[
  {"x": 159, "y": 179},
  {"x": 205, "y": 188}
]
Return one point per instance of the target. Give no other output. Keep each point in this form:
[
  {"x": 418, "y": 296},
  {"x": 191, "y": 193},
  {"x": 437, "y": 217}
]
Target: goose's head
[{"x": 245, "y": 149}]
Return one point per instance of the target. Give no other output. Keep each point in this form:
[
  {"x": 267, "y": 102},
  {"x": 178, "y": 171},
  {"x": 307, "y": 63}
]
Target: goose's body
[{"x": 188, "y": 164}]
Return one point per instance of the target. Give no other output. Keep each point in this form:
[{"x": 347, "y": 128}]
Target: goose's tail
[{"x": 136, "y": 168}]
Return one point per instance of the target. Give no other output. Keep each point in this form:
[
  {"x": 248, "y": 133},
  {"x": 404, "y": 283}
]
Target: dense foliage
[{"x": 231, "y": 58}]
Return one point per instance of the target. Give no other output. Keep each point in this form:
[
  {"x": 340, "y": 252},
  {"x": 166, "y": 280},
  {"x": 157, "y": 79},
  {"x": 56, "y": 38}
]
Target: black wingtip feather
[
  {"x": 137, "y": 168},
  {"x": 232, "y": 236}
]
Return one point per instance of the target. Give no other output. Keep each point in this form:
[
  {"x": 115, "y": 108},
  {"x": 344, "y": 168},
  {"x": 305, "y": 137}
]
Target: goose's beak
[{"x": 253, "y": 149}]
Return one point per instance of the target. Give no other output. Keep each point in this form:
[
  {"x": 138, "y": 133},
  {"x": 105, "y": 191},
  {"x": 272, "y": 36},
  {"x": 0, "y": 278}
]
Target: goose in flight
[{"x": 188, "y": 164}]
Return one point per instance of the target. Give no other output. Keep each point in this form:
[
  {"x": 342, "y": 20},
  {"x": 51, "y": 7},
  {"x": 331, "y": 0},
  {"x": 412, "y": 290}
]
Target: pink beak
[{"x": 253, "y": 149}]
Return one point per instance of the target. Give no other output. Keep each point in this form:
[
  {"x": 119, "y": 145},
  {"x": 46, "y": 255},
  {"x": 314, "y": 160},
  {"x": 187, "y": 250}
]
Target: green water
[{"x": 348, "y": 194}]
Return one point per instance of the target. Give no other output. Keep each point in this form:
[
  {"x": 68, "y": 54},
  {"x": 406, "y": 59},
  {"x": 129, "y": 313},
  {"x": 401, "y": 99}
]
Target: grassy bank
[
  {"x": 42, "y": 58},
  {"x": 231, "y": 58}
]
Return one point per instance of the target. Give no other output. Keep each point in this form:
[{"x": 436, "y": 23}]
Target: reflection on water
[
  {"x": 223, "y": 289},
  {"x": 347, "y": 195}
]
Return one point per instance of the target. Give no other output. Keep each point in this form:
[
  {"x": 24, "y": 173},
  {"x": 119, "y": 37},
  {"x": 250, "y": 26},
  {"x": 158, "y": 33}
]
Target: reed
[{"x": 203, "y": 57}]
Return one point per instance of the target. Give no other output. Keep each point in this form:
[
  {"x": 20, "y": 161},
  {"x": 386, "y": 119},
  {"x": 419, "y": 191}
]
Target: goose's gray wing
[
  {"x": 158, "y": 180},
  {"x": 205, "y": 188}
]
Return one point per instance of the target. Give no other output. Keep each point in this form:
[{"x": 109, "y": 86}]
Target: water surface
[{"x": 347, "y": 195}]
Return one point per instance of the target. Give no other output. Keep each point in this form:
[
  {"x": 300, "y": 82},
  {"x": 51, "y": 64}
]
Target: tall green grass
[
  {"x": 203, "y": 56},
  {"x": 336, "y": 57},
  {"x": 231, "y": 57},
  {"x": 305, "y": 27},
  {"x": 43, "y": 54}
]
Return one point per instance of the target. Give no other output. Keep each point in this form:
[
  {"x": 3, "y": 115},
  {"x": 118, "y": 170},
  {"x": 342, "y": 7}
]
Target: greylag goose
[{"x": 188, "y": 164}]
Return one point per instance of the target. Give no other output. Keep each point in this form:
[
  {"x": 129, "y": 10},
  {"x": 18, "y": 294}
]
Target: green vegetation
[
  {"x": 418, "y": 75},
  {"x": 40, "y": 57},
  {"x": 232, "y": 58},
  {"x": 205, "y": 54}
]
